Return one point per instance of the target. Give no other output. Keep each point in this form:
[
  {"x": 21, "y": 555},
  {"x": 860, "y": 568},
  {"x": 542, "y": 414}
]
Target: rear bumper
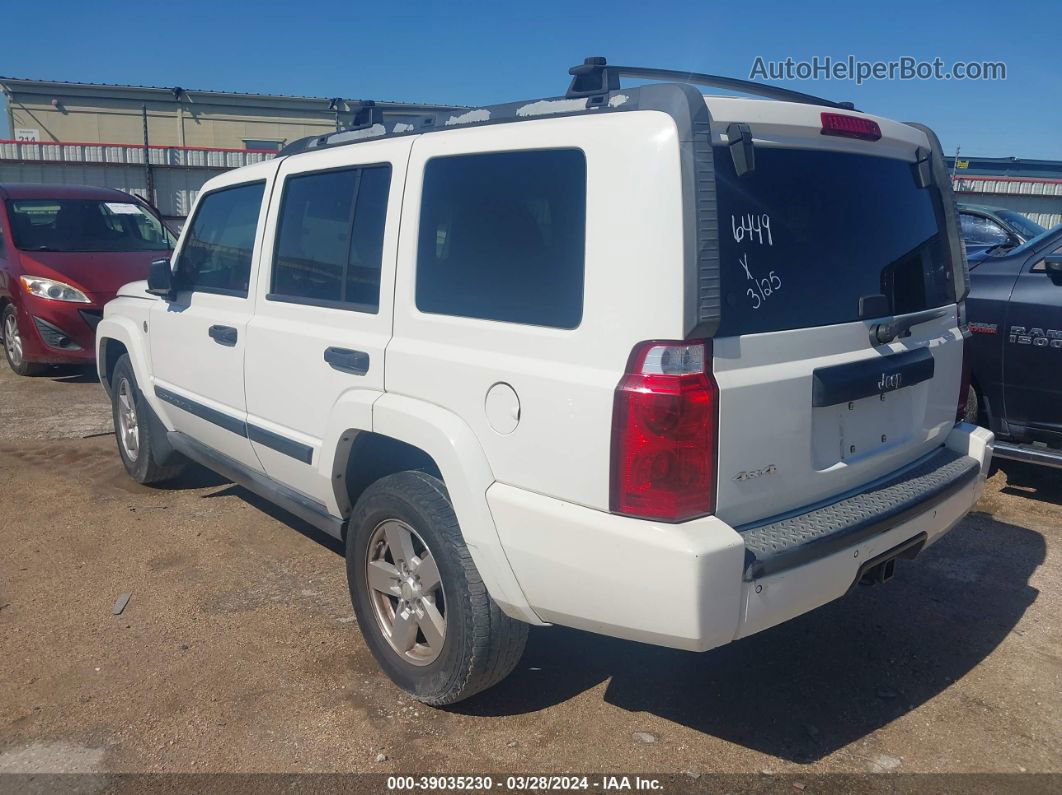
[
  {"x": 702, "y": 583},
  {"x": 787, "y": 543}
]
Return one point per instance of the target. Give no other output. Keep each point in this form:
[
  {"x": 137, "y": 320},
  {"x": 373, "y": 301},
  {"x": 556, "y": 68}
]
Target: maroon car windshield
[{"x": 85, "y": 225}]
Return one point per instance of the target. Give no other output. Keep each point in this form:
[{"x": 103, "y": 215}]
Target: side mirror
[
  {"x": 160, "y": 279},
  {"x": 1053, "y": 264}
]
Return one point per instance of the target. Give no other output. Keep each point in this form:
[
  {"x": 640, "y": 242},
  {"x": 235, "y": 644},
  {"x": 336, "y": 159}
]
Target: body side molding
[{"x": 282, "y": 444}]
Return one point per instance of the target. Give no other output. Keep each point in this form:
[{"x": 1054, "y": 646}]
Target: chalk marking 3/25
[{"x": 762, "y": 289}]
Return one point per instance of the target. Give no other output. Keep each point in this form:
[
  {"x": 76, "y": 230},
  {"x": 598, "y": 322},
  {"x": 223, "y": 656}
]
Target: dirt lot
[{"x": 238, "y": 649}]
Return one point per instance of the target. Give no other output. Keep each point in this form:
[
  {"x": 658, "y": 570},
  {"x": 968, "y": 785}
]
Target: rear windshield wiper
[{"x": 898, "y": 325}]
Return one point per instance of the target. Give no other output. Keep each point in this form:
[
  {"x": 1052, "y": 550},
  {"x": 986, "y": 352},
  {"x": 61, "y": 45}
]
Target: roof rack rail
[
  {"x": 592, "y": 80},
  {"x": 594, "y": 76},
  {"x": 367, "y": 122}
]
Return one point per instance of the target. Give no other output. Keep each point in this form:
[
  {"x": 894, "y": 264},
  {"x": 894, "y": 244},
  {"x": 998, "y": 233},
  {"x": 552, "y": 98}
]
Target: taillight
[
  {"x": 850, "y": 126},
  {"x": 664, "y": 422}
]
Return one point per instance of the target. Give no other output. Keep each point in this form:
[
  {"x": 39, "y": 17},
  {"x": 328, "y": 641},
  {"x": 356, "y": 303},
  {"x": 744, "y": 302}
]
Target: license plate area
[{"x": 863, "y": 428}]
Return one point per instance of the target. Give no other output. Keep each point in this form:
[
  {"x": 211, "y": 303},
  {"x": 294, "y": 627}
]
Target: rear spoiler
[{"x": 941, "y": 183}]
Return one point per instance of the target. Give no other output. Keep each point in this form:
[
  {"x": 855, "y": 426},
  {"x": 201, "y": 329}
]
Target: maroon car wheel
[{"x": 13, "y": 348}]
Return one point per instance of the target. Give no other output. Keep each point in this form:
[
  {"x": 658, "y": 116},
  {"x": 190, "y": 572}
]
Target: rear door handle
[
  {"x": 347, "y": 361},
  {"x": 223, "y": 335}
]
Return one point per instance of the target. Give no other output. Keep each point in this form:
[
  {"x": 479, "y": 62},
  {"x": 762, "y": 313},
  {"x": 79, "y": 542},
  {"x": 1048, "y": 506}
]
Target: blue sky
[{"x": 473, "y": 53}]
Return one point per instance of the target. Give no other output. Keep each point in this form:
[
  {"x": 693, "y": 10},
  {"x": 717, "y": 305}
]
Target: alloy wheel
[
  {"x": 12, "y": 340},
  {"x": 406, "y": 592},
  {"x": 128, "y": 428}
]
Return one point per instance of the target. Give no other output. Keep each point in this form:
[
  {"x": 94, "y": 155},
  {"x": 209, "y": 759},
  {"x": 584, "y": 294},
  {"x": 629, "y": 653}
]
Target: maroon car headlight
[{"x": 53, "y": 290}]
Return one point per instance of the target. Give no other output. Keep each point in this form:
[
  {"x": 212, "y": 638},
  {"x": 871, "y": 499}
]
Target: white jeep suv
[{"x": 664, "y": 366}]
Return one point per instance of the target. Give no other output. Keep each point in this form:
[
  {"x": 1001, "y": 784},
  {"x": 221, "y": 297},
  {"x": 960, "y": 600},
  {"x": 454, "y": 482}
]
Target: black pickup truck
[{"x": 1014, "y": 311}]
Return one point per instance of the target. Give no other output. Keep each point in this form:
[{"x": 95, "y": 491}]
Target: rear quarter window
[
  {"x": 502, "y": 237},
  {"x": 807, "y": 233}
]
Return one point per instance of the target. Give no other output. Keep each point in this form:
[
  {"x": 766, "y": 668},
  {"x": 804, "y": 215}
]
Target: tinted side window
[
  {"x": 991, "y": 232},
  {"x": 979, "y": 230},
  {"x": 216, "y": 255},
  {"x": 503, "y": 236},
  {"x": 330, "y": 238}
]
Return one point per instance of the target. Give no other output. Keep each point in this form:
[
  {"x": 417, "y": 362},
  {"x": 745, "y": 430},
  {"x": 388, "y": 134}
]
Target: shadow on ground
[
  {"x": 815, "y": 684},
  {"x": 73, "y": 374},
  {"x": 295, "y": 523},
  {"x": 1031, "y": 481},
  {"x": 197, "y": 477},
  {"x": 806, "y": 688}
]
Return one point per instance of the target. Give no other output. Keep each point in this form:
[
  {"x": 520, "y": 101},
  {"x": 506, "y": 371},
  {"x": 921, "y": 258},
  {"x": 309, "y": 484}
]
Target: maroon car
[{"x": 64, "y": 252}]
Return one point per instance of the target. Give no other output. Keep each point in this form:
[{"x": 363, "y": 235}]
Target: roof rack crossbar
[
  {"x": 366, "y": 114},
  {"x": 595, "y": 76}
]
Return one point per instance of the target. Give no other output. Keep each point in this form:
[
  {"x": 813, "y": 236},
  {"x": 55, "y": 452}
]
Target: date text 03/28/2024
[{"x": 616, "y": 783}]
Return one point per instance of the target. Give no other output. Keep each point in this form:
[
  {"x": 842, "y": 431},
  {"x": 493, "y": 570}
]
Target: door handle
[
  {"x": 223, "y": 335},
  {"x": 347, "y": 361}
]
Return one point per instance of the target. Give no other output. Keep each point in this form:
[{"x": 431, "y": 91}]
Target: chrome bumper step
[{"x": 1044, "y": 456}]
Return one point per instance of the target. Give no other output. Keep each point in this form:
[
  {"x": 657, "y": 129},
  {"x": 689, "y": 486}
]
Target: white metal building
[
  {"x": 160, "y": 143},
  {"x": 1032, "y": 187}
]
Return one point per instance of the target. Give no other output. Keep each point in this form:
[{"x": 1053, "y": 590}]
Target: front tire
[
  {"x": 13, "y": 348},
  {"x": 422, "y": 607},
  {"x": 131, "y": 417}
]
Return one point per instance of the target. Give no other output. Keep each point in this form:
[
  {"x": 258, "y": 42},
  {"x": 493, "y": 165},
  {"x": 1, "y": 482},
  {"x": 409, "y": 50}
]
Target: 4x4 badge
[{"x": 752, "y": 474}]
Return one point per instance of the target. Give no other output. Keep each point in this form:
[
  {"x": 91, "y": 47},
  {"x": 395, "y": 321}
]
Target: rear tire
[
  {"x": 132, "y": 415},
  {"x": 972, "y": 414},
  {"x": 13, "y": 349},
  {"x": 422, "y": 607}
]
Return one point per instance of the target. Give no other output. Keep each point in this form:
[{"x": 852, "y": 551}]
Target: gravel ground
[
  {"x": 66, "y": 403},
  {"x": 238, "y": 649}
]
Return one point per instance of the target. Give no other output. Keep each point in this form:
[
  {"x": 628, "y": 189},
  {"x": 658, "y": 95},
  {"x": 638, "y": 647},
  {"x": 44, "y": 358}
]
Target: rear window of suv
[
  {"x": 502, "y": 237},
  {"x": 807, "y": 233}
]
